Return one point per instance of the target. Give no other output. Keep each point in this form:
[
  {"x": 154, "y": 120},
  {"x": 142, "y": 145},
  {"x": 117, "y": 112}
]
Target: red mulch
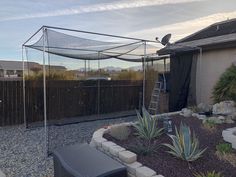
[{"x": 169, "y": 166}]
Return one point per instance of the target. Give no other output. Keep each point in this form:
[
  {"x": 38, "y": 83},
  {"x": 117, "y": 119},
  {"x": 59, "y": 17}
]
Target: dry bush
[{"x": 228, "y": 157}]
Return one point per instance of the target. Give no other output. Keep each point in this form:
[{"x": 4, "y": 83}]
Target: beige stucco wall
[{"x": 209, "y": 69}]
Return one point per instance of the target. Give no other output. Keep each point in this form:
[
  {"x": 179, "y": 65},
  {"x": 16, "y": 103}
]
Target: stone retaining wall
[{"x": 127, "y": 158}]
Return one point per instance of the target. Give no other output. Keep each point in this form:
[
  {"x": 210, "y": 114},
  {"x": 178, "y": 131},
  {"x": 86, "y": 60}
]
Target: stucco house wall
[{"x": 209, "y": 70}]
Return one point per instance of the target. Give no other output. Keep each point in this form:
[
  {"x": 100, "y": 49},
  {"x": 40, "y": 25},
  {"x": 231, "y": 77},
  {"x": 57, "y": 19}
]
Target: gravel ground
[{"x": 22, "y": 152}]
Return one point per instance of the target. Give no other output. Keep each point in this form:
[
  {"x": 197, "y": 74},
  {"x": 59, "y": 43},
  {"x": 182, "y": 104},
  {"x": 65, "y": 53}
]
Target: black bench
[{"x": 81, "y": 160}]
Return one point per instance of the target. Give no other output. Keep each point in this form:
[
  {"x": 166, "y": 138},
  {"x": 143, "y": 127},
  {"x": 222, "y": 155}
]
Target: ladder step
[{"x": 155, "y": 95}]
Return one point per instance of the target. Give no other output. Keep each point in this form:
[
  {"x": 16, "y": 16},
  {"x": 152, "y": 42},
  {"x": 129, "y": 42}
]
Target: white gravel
[{"x": 22, "y": 152}]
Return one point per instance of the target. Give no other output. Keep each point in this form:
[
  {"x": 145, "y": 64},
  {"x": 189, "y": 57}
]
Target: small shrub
[
  {"x": 120, "y": 132},
  {"x": 185, "y": 145},
  {"x": 147, "y": 129},
  {"x": 209, "y": 124},
  {"x": 228, "y": 157},
  {"x": 225, "y": 88},
  {"x": 224, "y": 148},
  {"x": 208, "y": 174},
  {"x": 53, "y": 75}
]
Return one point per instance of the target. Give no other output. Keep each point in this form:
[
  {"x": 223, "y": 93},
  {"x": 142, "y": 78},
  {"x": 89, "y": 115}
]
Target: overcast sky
[{"x": 134, "y": 18}]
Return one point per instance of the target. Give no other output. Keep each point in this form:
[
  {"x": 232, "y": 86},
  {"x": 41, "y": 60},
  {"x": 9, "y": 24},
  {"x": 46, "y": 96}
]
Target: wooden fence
[{"x": 66, "y": 99}]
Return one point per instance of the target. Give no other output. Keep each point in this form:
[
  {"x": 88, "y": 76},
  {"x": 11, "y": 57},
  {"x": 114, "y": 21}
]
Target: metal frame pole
[
  {"x": 144, "y": 72},
  {"x": 99, "y": 85},
  {"x": 45, "y": 95},
  {"x": 24, "y": 109}
]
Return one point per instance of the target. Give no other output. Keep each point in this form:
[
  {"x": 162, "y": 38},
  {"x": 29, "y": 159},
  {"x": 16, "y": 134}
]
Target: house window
[
  {"x": 10, "y": 72},
  {"x": 19, "y": 73}
]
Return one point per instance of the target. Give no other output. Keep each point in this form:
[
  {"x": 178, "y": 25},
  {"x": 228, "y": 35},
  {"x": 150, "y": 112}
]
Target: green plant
[
  {"x": 146, "y": 126},
  {"x": 147, "y": 129},
  {"x": 224, "y": 148},
  {"x": 225, "y": 88},
  {"x": 120, "y": 132},
  {"x": 185, "y": 145},
  {"x": 208, "y": 174},
  {"x": 209, "y": 124}
]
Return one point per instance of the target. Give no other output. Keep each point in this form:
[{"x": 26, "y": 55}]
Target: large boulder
[
  {"x": 224, "y": 108},
  {"x": 203, "y": 107}
]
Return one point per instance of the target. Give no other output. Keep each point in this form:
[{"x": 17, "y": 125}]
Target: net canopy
[
  {"x": 89, "y": 47},
  {"x": 83, "y": 76}
]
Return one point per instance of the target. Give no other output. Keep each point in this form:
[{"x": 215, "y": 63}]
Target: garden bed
[{"x": 169, "y": 166}]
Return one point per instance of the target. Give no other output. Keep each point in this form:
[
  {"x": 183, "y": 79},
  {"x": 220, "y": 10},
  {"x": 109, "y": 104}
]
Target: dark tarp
[
  {"x": 192, "y": 97},
  {"x": 180, "y": 77}
]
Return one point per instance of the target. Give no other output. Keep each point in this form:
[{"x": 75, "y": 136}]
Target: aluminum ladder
[{"x": 155, "y": 99}]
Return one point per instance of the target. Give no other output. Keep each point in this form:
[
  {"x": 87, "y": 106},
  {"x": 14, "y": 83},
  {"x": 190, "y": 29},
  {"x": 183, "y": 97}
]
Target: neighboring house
[
  {"x": 197, "y": 62},
  {"x": 14, "y": 69},
  {"x": 55, "y": 67}
]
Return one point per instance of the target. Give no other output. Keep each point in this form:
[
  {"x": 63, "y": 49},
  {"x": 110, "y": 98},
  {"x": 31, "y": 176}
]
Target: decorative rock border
[
  {"x": 229, "y": 135},
  {"x": 127, "y": 158}
]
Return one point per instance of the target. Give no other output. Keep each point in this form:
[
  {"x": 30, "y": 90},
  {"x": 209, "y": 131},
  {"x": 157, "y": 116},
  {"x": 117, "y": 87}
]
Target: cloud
[
  {"x": 182, "y": 29},
  {"x": 98, "y": 8}
]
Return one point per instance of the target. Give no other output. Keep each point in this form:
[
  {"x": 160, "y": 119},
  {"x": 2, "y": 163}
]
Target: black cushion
[{"x": 81, "y": 160}]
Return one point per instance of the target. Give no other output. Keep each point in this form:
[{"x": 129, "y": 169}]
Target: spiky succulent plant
[
  {"x": 185, "y": 145},
  {"x": 147, "y": 130},
  {"x": 146, "y": 126},
  {"x": 208, "y": 174}
]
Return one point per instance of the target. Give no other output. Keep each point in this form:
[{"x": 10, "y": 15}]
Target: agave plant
[
  {"x": 185, "y": 144},
  {"x": 147, "y": 129},
  {"x": 146, "y": 126},
  {"x": 208, "y": 174}
]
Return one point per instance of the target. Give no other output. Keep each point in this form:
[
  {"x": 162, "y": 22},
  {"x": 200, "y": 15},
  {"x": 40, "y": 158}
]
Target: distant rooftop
[
  {"x": 216, "y": 29},
  {"x": 216, "y": 36},
  {"x": 16, "y": 65}
]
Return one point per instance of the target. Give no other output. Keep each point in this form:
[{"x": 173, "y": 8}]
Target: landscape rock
[
  {"x": 203, "y": 107},
  {"x": 131, "y": 168},
  {"x": 145, "y": 172},
  {"x": 230, "y": 136},
  {"x": 229, "y": 121},
  {"x": 221, "y": 118},
  {"x": 201, "y": 117},
  {"x": 194, "y": 114},
  {"x": 107, "y": 144},
  {"x": 186, "y": 112},
  {"x": 232, "y": 116},
  {"x": 224, "y": 108},
  {"x": 114, "y": 150},
  {"x": 127, "y": 156},
  {"x": 98, "y": 141}
]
